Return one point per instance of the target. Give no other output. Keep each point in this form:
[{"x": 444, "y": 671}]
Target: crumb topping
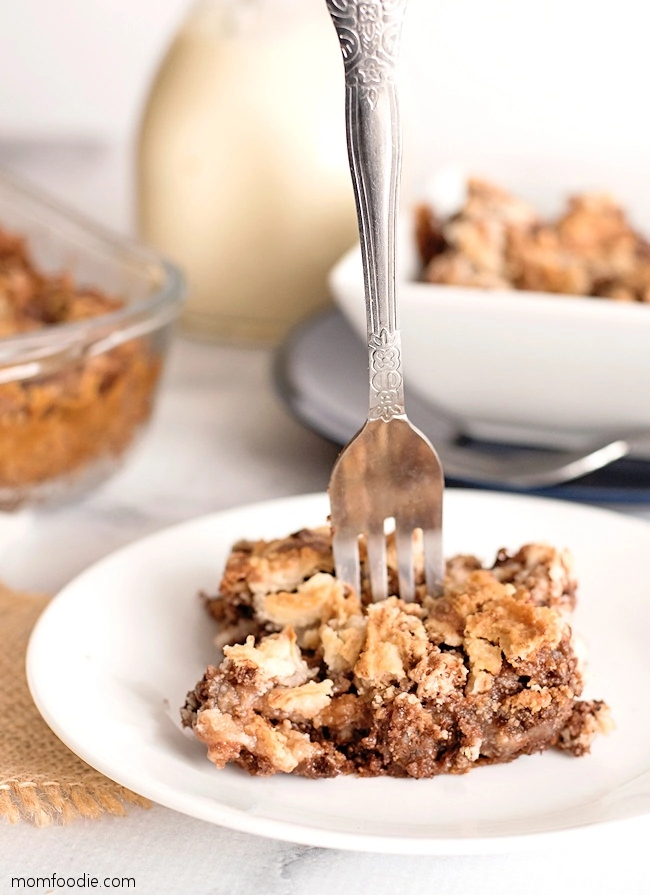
[{"x": 498, "y": 241}]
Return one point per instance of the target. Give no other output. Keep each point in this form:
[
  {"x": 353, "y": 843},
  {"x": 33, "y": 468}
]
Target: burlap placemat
[{"x": 41, "y": 780}]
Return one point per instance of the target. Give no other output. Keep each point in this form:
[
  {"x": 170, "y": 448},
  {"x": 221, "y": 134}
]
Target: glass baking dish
[{"x": 75, "y": 396}]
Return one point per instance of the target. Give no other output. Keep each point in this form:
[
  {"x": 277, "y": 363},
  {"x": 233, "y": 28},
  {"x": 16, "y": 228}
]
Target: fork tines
[{"x": 389, "y": 471}]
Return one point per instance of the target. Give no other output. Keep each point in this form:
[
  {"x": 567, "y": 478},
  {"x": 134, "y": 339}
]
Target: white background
[{"x": 547, "y": 96}]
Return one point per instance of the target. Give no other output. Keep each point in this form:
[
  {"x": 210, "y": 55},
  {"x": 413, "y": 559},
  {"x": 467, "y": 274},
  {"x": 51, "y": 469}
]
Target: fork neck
[{"x": 369, "y": 32}]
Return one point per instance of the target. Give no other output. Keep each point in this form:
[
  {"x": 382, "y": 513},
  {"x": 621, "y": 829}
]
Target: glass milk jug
[{"x": 243, "y": 176}]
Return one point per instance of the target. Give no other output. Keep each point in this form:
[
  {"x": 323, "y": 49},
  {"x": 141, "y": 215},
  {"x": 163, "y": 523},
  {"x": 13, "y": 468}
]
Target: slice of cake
[{"x": 319, "y": 681}]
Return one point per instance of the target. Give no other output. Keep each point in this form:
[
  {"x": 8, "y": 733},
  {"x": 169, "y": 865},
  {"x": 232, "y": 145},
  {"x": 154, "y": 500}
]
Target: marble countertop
[{"x": 220, "y": 438}]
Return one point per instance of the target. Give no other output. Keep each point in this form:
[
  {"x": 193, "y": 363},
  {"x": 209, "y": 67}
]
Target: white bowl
[{"x": 515, "y": 365}]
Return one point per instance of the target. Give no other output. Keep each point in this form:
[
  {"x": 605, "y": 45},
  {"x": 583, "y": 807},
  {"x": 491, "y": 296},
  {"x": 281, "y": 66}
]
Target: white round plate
[{"x": 112, "y": 657}]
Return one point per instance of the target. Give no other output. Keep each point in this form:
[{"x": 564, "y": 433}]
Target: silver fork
[{"x": 389, "y": 471}]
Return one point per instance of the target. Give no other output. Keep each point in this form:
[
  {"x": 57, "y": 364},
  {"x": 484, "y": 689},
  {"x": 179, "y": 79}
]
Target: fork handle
[{"x": 369, "y": 32}]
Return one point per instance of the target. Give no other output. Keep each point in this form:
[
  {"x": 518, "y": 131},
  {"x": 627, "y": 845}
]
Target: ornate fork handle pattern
[
  {"x": 369, "y": 35},
  {"x": 368, "y": 32}
]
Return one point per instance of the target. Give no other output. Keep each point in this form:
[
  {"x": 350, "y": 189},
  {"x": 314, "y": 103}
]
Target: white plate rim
[{"x": 282, "y": 829}]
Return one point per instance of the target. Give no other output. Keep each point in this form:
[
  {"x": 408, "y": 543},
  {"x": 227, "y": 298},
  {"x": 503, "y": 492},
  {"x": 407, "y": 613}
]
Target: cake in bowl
[
  {"x": 318, "y": 681},
  {"x": 506, "y": 312}
]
